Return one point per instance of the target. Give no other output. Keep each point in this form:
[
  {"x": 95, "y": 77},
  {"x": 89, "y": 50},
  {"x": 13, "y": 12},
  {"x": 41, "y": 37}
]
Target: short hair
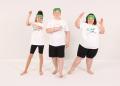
[{"x": 57, "y": 9}]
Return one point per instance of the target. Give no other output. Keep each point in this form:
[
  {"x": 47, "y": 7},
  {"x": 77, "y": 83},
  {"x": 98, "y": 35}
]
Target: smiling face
[
  {"x": 39, "y": 18},
  {"x": 90, "y": 19}
]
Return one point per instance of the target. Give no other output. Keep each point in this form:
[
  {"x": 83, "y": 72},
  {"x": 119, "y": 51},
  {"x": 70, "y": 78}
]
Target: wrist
[{"x": 53, "y": 30}]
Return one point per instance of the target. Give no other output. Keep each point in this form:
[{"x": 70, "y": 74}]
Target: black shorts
[
  {"x": 57, "y": 51},
  {"x": 33, "y": 48},
  {"x": 89, "y": 53}
]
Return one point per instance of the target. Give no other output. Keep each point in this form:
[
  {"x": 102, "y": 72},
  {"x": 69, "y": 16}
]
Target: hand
[
  {"x": 57, "y": 28},
  {"x": 81, "y": 14},
  {"x": 67, "y": 44},
  {"x": 39, "y": 27},
  {"x": 101, "y": 21},
  {"x": 101, "y": 26},
  {"x": 30, "y": 12}
]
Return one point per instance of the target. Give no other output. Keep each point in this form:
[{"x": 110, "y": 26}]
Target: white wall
[{"x": 15, "y": 35}]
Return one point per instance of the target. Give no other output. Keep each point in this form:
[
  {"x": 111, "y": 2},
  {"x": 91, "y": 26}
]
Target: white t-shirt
[
  {"x": 37, "y": 37},
  {"x": 57, "y": 38},
  {"x": 89, "y": 36}
]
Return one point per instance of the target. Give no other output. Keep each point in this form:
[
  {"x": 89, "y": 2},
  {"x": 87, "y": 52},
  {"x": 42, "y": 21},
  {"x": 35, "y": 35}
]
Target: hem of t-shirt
[
  {"x": 88, "y": 47},
  {"x": 57, "y": 45},
  {"x": 38, "y": 44}
]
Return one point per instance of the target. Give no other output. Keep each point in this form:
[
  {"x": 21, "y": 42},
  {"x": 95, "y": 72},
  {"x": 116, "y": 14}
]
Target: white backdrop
[{"x": 15, "y": 35}]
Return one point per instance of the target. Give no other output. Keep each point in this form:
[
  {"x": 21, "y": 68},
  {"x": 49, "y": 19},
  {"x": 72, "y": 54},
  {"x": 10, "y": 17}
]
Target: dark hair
[
  {"x": 38, "y": 13},
  {"x": 95, "y": 21}
]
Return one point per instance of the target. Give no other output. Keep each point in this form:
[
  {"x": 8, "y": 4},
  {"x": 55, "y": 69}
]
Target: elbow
[
  {"x": 76, "y": 25},
  {"x": 47, "y": 31}
]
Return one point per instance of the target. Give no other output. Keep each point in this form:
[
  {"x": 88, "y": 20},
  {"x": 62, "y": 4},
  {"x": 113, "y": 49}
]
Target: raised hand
[
  {"x": 67, "y": 44},
  {"x": 30, "y": 12},
  {"x": 101, "y": 21},
  {"x": 101, "y": 26},
  {"x": 81, "y": 14}
]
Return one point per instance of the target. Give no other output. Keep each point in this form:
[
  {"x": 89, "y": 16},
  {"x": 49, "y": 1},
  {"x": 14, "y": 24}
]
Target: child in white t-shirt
[
  {"x": 59, "y": 36},
  {"x": 89, "y": 40},
  {"x": 37, "y": 40}
]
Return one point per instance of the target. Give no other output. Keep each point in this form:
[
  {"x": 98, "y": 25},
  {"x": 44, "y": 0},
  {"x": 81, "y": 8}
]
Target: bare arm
[
  {"x": 28, "y": 23},
  {"x": 51, "y": 30},
  {"x": 78, "y": 20},
  {"x": 67, "y": 38},
  {"x": 101, "y": 26}
]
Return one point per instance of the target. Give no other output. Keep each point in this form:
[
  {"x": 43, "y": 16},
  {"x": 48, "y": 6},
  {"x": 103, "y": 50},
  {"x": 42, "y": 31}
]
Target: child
[
  {"x": 59, "y": 38},
  {"x": 89, "y": 40},
  {"x": 37, "y": 40}
]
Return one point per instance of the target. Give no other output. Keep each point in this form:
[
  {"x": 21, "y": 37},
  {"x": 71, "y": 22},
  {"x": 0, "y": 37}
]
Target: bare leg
[
  {"x": 75, "y": 64},
  {"x": 60, "y": 66},
  {"x": 27, "y": 64},
  {"x": 54, "y": 59},
  {"x": 89, "y": 65},
  {"x": 41, "y": 64}
]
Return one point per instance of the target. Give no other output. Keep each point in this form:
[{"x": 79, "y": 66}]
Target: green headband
[
  {"x": 90, "y": 17},
  {"x": 56, "y": 9},
  {"x": 41, "y": 16}
]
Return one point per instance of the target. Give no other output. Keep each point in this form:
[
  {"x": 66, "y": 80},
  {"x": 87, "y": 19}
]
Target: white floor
[{"x": 106, "y": 74}]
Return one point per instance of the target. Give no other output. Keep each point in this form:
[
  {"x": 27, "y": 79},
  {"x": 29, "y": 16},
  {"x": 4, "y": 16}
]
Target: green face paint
[
  {"x": 91, "y": 17},
  {"x": 57, "y": 10}
]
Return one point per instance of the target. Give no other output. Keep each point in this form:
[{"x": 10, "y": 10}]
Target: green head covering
[
  {"x": 91, "y": 17},
  {"x": 41, "y": 16},
  {"x": 57, "y": 9}
]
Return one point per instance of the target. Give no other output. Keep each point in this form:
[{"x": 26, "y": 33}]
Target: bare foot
[
  {"x": 23, "y": 73},
  {"x": 41, "y": 73},
  {"x": 60, "y": 75},
  {"x": 54, "y": 72},
  {"x": 70, "y": 72},
  {"x": 90, "y": 72}
]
